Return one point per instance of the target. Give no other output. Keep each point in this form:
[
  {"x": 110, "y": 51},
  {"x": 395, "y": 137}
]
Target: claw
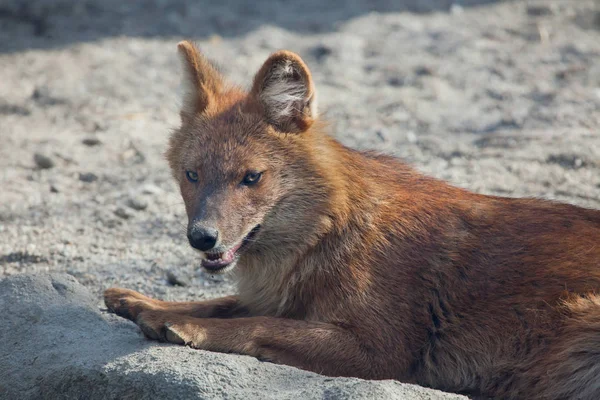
[
  {"x": 126, "y": 303},
  {"x": 148, "y": 330},
  {"x": 171, "y": 335}
]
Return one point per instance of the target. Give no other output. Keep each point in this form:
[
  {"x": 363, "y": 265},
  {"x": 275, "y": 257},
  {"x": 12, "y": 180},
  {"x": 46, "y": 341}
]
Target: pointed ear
[
  {"x": 200, "y": 81},
  {"x": 284, "y": 88}
]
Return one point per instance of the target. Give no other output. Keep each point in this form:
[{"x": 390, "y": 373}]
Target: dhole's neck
[
  {"x": 267, "y": 276},
  {"x": 335, "y": 227},
  {"x": 347, "y": 175}
]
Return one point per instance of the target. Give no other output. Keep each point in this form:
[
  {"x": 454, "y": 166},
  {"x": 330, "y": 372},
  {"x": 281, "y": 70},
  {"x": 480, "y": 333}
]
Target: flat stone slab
[{"x": 56, "y": 342}]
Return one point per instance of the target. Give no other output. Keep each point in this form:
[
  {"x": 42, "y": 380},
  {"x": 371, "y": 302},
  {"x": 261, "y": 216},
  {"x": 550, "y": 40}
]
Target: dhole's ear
[
  {"x": 284, "y": 88},
  {"x": 200, "y": 80}
]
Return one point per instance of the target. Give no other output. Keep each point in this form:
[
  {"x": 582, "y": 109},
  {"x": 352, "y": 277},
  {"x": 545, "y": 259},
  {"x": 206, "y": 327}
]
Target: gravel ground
[{"x": 498, "y": 97}]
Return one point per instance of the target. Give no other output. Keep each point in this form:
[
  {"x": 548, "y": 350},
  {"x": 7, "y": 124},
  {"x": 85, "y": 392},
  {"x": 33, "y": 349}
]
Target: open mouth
[{"x": 215, "y": 261}]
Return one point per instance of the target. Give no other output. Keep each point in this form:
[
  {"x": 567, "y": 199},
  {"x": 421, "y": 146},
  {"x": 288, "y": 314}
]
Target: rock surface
[{"x": 56, "y": 343}]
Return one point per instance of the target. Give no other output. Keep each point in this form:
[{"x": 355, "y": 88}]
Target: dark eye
[
  {"x": 251, "y": 178},
  {"x": 192, "y": 176}
]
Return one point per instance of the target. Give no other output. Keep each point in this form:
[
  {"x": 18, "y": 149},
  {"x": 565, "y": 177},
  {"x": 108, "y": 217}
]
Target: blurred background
[{"x": 501, "y": 97}]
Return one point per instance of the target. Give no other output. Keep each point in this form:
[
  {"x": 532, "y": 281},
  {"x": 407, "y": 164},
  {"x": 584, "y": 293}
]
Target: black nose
[{"x": 202, "y": 238}]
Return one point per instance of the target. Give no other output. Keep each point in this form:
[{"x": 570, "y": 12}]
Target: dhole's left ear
[{"x": 284, "y": 88}]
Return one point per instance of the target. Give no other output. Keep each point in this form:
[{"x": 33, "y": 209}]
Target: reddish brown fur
[{"x": 364, "y": 267}]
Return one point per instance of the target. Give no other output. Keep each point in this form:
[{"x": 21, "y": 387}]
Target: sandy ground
[
  {"x": 501, "y": 98},
  {"x": 497, "y": 97}
]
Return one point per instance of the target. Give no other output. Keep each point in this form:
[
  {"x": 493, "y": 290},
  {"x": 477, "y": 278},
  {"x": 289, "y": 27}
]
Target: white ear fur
[
  {"x": 187, "y": 88},
  {"x": 284, "y": 88},
  {"x": 285, "y": 94}
]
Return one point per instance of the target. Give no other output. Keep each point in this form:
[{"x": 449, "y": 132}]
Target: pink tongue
[
  {"x": 228, "y": 255},
  {"x": 225, "y": 258}
]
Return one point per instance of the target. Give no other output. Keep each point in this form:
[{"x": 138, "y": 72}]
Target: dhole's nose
[{"x": 202, "y": 238}]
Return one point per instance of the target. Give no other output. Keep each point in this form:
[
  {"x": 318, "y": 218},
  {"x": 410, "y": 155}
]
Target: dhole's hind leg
[
  {"x": 129, "y": 304},
  {"x": 570, "y": 369}
]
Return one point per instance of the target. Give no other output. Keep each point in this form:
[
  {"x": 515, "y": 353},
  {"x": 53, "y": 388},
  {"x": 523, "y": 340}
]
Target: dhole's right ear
[{"x": 201, "y": 82}]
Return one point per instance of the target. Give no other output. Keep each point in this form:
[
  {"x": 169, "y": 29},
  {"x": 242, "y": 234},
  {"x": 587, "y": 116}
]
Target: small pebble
[
  {"x": 538, "y": 10},
  {"x": 321, "y": 51},
  {"x": 411, "y": 137},
  {"x": 91, "y": 141},
  {"x": 43, "y": 161},
  {"x": 94, "y": 126},
  {"x": 423, "y": 70},
  {"x": 137, "y": 203},
  {"x": 382, "y": 134},
  {"x": 88, "y": 177},
  {"x": 123, "y": 213},
  {"x": 133, "y": 156},
  {"x": 175, "y": 280},
  {"x": 151, "y": 189},
  {"x": 396, "y": 81},
  {"x": 569, "y": 161},
  {"x": 44, "y": 97}
]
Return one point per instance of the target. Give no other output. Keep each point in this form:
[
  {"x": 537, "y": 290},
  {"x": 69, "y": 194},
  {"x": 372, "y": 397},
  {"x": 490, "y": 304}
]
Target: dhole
[{"x": 353, "y": 264}]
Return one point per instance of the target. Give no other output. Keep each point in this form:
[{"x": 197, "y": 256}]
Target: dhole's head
[{"x": 244, "y": 161}]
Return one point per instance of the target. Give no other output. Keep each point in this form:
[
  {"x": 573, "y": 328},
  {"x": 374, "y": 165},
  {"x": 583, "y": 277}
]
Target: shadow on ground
[{"x": 54, "y": 23}]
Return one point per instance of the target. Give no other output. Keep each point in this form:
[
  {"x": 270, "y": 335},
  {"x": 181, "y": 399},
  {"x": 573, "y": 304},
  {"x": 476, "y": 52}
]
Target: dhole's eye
[
  {"x": 251, "y": 178},
  {"x": 191, "y": 176}
]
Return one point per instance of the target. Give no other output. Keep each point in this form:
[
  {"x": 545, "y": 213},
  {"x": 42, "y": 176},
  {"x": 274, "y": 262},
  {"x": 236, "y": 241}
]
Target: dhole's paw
[
  {"x": 166, "y": 327},
  {"x": 127, "y": 303}
]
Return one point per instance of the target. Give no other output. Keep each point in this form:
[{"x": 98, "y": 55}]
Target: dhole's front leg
[
  {"x": 129, "y": 304},
  {"x": 315, "y": 346}
]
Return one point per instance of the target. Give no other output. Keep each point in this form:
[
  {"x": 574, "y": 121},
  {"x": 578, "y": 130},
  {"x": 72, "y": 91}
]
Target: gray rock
[
  {"x": 537, "y": 10},
  {"x": 568, "y": 161},
  {"x": 43, "y": 161},
  {"x": 151, "y": 189},
  {"x": 91, "y": 141},
  {"x": 123, "y": 213},
  {"x": 137, "y": 203},
  {"x": 176, "y": 279},
  {"x": 72, "y": 349},
  {"x": 8, "y": 109},
  {"x": 44, "y": 97},
  {"x": 88, "y": 177}
]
